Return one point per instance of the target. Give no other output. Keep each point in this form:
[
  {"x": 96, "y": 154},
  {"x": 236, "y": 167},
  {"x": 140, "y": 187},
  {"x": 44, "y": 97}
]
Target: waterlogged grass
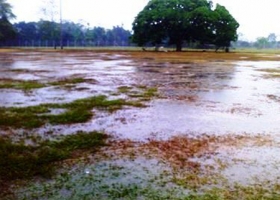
[
  {"x": 78, "y": 111},
  {"x": 30, "y": 85},
  {"x": 108, "y": 180},
  {"x": 18, "y": 161},
  {"x": 69, "y": 81},
  {"x": 143, "y": 93},
  {"x": 21, "y": 85},
  {"x": 103, "y": 180},
  {"x": 152, "y": 170},
  {"x": 271, "y": 73}
]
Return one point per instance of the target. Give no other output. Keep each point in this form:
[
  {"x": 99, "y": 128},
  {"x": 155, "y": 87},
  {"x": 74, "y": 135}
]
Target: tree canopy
[
  {"x": 6, "y": 10},
  {"x": 6, "y": 29},
  {"x": 178, "y": 21}
]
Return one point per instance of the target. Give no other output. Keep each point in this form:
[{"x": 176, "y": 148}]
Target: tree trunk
[
  {"x": 179, "y": 46},
  {"x": 217, "y": 48}
]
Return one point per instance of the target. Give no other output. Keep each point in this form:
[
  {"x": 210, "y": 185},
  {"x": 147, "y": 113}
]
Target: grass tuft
[
  {"x": 18, "y": 161},
  {"x": 78, "y": 111},
  {"x": 21, "y": 85}
]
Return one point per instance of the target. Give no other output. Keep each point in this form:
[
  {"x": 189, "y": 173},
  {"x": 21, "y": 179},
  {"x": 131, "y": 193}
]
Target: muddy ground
[{"x": 212, "y": 128}]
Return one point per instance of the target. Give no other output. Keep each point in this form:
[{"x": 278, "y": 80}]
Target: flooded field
[{"x": 191, "y": 125}]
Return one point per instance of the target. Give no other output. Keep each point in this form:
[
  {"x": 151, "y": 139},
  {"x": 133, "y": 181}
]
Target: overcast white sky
[{"x": 256, "y": 17}]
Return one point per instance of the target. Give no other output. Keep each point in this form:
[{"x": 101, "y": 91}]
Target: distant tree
[
  {"x": 99, "y": 36},
  {"x": 6, "y": 10},
  {"x": 119, "y": 36},
  {"x": 7, "y": 32},
  {"x": 272, "y": 37},
  {"x": 49, "y": 30},
  {"x": 177, "y": 21},
  {"x": 27, "y": 30},
  {"x": 262, "y": 42},
  {"x": 47, "y": 33},
  {"x": 243, "y": 44},
  {"x": 73, "y": 31},
  {"x": 272, "y": 40},
  {"x": 6, "y": 29}
]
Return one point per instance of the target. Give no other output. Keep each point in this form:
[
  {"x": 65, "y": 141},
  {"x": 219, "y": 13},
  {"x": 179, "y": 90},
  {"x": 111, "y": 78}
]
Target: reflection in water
[{"x": 210, "y": 97}]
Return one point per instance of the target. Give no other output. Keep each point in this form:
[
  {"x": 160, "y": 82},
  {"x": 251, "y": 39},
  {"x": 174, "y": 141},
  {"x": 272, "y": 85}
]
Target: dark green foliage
[
  {"x": 6, "y": 10},
  {"x": 76, "y": 34},
  {"x": 225, "y": 27},
  {"x": 70, "y": 116},
  {"x": 7, "y": 31},
  {"x": 177, "y": 21},
  {"x": 21, "y": 117},
  {"x": 80, "y": 140},
  {"x": 18, "y": 161}
]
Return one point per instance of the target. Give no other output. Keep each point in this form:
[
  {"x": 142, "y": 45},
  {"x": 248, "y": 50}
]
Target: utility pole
[{"x": 61, "y": 32}]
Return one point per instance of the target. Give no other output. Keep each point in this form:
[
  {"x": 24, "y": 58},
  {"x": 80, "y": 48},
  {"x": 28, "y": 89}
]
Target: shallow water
[
  {"x": 211, "y": 97},
  {"x": 196, "y": 98}
]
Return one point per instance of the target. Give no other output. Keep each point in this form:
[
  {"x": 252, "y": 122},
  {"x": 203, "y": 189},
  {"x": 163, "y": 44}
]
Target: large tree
[
  {"x": 225, "y": 29},
  {"x": 177, "y": 21},
  {"x": 6, "y": 29}
]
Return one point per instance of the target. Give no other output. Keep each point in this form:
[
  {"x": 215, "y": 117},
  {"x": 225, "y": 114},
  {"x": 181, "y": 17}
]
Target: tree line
[
  {"x": 49, "y": 33},
  {"x": 271, "y": 41},
  {"x": 170, "y": 23}
]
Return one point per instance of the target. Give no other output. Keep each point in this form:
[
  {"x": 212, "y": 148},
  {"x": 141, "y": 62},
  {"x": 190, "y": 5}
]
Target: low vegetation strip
[
  {"x": 20, "y": 161},
  {"x": 30, "y": 85},
  {"x": 24, "y": 161},
  {"x": 78, "y": 111},
  {"x": 157, "y": 169},
  {"x": 21, "y": 85}
]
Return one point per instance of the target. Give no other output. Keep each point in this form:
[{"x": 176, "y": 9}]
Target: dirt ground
[{"x": 213, "y": 127}]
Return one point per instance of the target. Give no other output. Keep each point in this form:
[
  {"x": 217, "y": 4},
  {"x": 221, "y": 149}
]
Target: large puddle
[
  {"x": 213, "y": 97},
  {"x": 197, "y": 97}
]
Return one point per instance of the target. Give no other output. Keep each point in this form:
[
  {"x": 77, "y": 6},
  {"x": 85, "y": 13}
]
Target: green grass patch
[
  {"x": 143, "y": 93},
  {"x": 78, "y": 111},
  {"x": 30, "y": 85},
  {"x": 21, "y": 85},
  {"x": 124, "y": 89},
  {"x": 18, "y": 161},
  {"x": 68, "y": 81}
]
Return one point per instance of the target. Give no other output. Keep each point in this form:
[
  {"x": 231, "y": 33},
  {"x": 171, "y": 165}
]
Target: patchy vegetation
[
  {"x": 155, "y": 170},
  {"x": 20, "y": 161},
  {"x": 75, "y": 112},
  {"x": 142, "y": 93},
  {"x": 21, "y": 85},
  {"x": 29, "y": 85},
  {"x": 182, "y": 167}
]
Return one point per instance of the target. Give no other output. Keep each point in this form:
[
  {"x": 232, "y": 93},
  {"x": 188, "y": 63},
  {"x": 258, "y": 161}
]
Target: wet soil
[{"x": 216, "y": 115}]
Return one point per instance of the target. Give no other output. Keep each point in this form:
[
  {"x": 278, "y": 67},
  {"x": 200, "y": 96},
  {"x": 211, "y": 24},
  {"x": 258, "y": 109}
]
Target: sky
[{"x": 257, "y": 18}]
